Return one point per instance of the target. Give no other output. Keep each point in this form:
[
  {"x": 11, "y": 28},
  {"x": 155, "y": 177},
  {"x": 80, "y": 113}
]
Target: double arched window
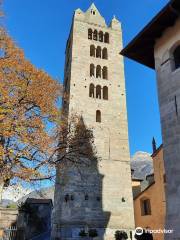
[
  {"x": 98, "y": 52},
  {"x": 98, "y": 36},
  {"x": 98, "y": 72},
  {"x": 98, "y": 92}
]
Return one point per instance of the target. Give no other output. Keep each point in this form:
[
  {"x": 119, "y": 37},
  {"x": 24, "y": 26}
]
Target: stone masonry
[
  {"x": 168, "y": 81},
  {"x": 101, "y": 196}
]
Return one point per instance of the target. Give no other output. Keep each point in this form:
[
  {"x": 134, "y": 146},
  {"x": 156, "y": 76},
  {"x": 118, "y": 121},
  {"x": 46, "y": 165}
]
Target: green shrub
[{"x": 121, "y": 235}]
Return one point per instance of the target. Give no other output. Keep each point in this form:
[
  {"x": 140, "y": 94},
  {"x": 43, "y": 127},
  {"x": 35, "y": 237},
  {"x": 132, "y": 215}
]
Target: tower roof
[{"x": 92, "y": 15}]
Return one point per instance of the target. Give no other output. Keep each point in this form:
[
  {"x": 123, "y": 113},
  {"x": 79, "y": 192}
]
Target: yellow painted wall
[{"x": 156, "y": 194}]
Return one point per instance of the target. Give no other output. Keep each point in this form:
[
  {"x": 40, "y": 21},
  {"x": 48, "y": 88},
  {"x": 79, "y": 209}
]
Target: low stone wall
[{"x": 7, "y": 217}]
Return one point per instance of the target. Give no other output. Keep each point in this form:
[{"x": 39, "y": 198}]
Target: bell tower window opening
[
  {"x": 90, "y": 33},
  {"x": 98, "y": 52},
  {"x": 98, "y": 116},
  {"x": 95, "y": 34},
  {"x": 91, "y": 90},
  {"x": 105, "y": 73},
  {"x": 98, "y": 71},
  {"x": 101, "y": 36},
  {"x": 104, "y": 53},
  {"x": 92, "y": 70},
  {"x": 105, "y": 93},
  {"x": 92, "y": 51},
  {"x": 176, "y": 55},
  {"x": 98, "y": 91},
  {"x": 106, "y": 37}
]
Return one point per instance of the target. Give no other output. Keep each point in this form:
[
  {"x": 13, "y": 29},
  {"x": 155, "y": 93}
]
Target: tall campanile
[{"x": 100, "y": 198}]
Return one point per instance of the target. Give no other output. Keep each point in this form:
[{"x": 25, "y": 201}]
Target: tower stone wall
[
  {"x": 168, "y": 81},
  {"x": 94, "y": 81}
]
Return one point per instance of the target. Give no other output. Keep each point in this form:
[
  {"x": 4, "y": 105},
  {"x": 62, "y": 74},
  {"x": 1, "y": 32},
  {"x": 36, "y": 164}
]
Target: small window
[
  {"x": 98, "y": 52},
  {"x": 90, "y": 32},
  {"x": 164, "y": 178},
  {"x": 91, "y": 90},
  {"x": 104, "y": 53},
  {"x": 105, "y": 93},
  {"x": 98, "y": 116},
  {"x": 176, "y": 55},
  {"x": 92, "y": 70},
  {"x": 101, "y": 36},
  {"x": 95, "y": 34},
  {"x": 145, "y": 207},
  {"x": 98, "y": 71},
  {"x": 92, "y": 51},
  {"x": 105, "y": 73},
  {"x": 98, "y": 91},
  {"x": 106, "y": 37}
]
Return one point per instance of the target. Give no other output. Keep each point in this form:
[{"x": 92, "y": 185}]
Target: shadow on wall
[{"x": 78, "y": 205}]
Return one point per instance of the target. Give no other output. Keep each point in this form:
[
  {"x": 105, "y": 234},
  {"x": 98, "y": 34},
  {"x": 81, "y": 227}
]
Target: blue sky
[{"x": 41, "y": 28}]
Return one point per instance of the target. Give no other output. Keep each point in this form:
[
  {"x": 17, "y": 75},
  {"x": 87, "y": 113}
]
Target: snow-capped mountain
[{"x": 142, "y": 164}]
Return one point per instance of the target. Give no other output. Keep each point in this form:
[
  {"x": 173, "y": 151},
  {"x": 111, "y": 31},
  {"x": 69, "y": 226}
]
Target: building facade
[
  {"x": 150, "y": 204},
  {"x": 100, "y": 197},
  {"x": 158, "y": 47}
]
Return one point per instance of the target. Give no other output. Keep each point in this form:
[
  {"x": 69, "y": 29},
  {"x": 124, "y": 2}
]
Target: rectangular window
[{"x": 145, "y": 207}]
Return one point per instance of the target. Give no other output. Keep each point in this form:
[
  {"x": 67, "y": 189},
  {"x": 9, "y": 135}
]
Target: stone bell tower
[{"x": 94, "y": 81}]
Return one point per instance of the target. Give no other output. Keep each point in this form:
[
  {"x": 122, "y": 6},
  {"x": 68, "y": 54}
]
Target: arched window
[
  {"x": 98, "y": 71},
  {"x": 104, "y": 53},
  {"x": 105, "y": 73},
  {"x": 92, "y": 70},
  {"x": 98, "y": 91},
  {"x": 177, "y": 57},
  {"x": 92, "y": 51},
  {"x": 91, "y": 90},
  {"x": 98, "y": 52},
  {"x": 90, "y": 33},
  {"x": 98, "y": 116},
  {"x": 95, "y": 34},
  {"x": 105, "y": 93},
  {"x": 106, "y": 37},
  {"x": 101, "y": 36}
]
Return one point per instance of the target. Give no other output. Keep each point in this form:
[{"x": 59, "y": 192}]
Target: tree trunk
[{"x": 1, "y": 190}]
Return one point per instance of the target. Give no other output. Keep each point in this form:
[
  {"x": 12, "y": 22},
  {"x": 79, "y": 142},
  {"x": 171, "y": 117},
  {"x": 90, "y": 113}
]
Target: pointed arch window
[
  {"x": 95, "y": 35},
  {"x": 92, "y": 70},
  {"x": 101, "y": 36},
  {"x": 105, "y": 73},
  {"x": 98, "y": 91},
  {"x": 106, "y": 37},
  {"x": 104, "y": 53},
  {"x": 92, "y": 51},
  {"x": 91, "y": 90},
  {"x": 98, "y": 52},
  {"x": 98, "y": 116},
  {"x": 98, "y": 71},
  {"x": 105, "y": 93},
  {"x": 90, "y": 33},
  {"x": 176, "y": 55}
]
